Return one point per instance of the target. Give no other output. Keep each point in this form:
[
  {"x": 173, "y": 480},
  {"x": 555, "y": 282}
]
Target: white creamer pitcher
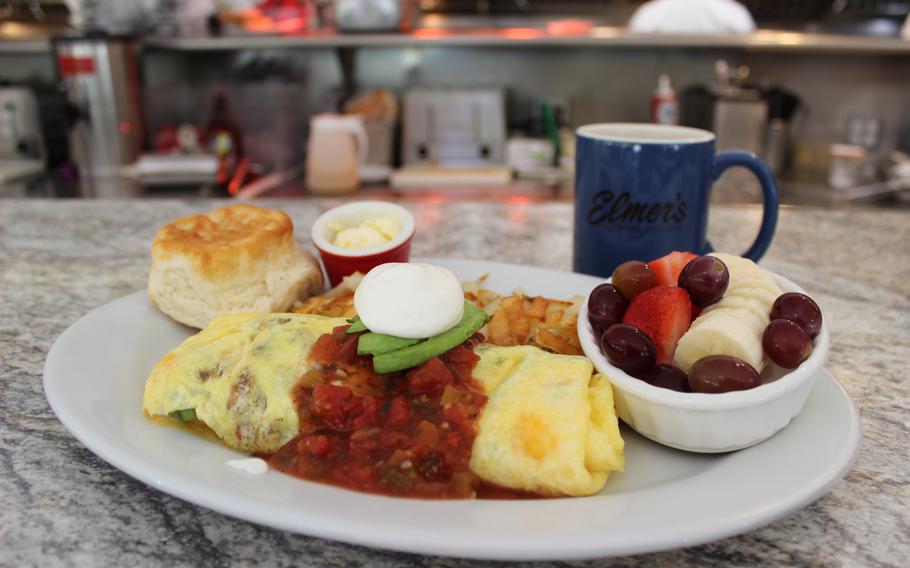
[{"x": 337, "y": 148}]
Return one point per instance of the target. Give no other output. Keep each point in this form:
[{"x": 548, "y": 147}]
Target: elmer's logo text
[{"x": 607, "y": 207}]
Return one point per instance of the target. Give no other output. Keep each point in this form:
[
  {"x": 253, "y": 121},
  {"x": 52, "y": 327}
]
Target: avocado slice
[
  {"x": 474, "y": 318},
  {"x": 356, "y": 325},
  {"x": 378, "y": 343}
]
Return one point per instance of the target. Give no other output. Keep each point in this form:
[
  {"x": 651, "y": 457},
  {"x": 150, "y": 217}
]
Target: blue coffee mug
[{"x": 643, "y": 190}]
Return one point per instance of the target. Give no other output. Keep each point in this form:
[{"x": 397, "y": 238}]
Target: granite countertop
[{"x": 61, "y": 505}]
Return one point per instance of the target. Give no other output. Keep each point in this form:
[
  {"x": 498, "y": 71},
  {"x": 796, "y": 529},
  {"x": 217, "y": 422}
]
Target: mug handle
[{"x": 725, "y": 160}]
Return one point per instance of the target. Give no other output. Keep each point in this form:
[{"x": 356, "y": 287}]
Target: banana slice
[
  {"x": 739, "y": 264},
  {"x": 724, "y": 334},
  {"x": 763, "y": 282},
  {"x": 746, "y": 274},
  {"x": 745, "y": 315},
  {"x": 741, "y": 269},
  {"x": 756, "y": 306},
  {"x": 761, "y": 295},
  {"x": 750, "y": 281}
]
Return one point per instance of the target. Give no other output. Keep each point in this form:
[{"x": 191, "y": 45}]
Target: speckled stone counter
[{"x": 61, "y": 505}]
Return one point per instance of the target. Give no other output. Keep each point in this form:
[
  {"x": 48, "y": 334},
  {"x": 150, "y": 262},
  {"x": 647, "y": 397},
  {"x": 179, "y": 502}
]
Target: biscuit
[{"x": 236, "y": 259}]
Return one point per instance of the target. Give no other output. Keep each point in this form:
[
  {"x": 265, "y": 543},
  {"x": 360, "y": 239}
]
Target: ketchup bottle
[{"x": 664, "y": 104}]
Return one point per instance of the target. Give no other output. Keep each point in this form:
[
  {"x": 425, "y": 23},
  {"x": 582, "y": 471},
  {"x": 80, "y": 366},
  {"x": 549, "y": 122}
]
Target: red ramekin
[{"x": 340, "y": 262}]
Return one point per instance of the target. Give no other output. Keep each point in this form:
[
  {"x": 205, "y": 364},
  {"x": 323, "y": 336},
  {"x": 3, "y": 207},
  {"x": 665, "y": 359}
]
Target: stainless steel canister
[{"x": 100, "y": 78}]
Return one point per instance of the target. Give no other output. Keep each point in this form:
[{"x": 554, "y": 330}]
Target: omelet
[
  {"x": 548, "y": 427},
  {"x": 238, "y": 374}
]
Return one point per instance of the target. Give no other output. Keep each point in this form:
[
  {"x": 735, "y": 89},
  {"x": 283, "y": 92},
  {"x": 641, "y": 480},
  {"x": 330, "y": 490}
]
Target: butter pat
[
  {"x": 359, "y": 237},
  {"x": 387, "y": 226},
  {"x": 371, "y": 232}
]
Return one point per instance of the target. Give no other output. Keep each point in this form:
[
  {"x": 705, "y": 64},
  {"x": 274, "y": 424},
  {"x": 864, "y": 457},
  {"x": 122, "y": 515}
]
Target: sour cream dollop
[
  {"x": 251, "y": 466},
  {"x": 411, "y": 300}
]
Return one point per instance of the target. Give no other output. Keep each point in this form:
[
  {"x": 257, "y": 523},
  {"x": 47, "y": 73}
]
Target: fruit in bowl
[{"x": 718, "y": 361}]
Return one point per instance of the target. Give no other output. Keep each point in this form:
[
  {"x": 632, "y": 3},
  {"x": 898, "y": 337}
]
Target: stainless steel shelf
[
  {"x": 25, "y": 46},
  {"x": 602, "y": 36}
]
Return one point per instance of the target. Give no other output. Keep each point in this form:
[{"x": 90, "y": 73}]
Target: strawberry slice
[
  {"x": 666, "y": 269},
  {"x": 663, "y": 314}
]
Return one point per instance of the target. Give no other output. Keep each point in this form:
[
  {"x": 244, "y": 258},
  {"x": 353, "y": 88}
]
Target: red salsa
[{"x": 408, "y": 433}]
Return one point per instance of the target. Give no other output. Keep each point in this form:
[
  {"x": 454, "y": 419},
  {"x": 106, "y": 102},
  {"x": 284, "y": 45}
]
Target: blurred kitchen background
[{"x": 442, "y": 99}]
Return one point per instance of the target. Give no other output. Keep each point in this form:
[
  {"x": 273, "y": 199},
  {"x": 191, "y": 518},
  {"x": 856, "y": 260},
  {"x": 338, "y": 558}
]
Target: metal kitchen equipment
[
  {"x": 740, "y": 112},
  {"x": 22, "y": 150},
  {"x": 454, "y": 127},
  {"x": 100, "y": 76},
  {"x": 743, "y": 116},
  {"x": 20, "y": 125},
  {"x": 736, "y": 113}
]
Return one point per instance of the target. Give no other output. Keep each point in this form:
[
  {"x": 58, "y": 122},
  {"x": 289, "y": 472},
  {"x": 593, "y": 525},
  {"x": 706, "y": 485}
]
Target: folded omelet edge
[
  {"x": 237, "y": 374},
  {"x": 539, "y": 431}
]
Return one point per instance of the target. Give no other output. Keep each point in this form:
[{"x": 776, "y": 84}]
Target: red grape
[
  {"x": 606, "y": 306},
  {"x": 628, "y": 348},
  {"x": 786, "y": 343},
  {"x": 633, "y": 277},
  {"x": 722, "y": 373},
  {"x": 705, "y": 279},
  {"x": 800, "y": 309},
  {"x": 668, "y": 377}
]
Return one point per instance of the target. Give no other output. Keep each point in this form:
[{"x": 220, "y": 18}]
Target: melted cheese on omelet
[
  {"x": 548, "y": 426},
  {"x": 238, "y": 374}
]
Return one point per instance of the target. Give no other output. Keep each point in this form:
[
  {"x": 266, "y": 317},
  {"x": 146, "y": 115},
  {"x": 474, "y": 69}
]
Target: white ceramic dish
[
  {"x": 709, "y": 423},
  {"x": 94, "y": 377}
]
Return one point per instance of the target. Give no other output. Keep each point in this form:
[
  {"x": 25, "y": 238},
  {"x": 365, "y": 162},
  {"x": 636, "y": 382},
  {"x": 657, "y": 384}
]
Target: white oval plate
[{"x": 95, "y": 373}]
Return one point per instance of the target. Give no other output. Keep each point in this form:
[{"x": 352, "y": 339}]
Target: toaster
[{"x": 453, "y": 127}]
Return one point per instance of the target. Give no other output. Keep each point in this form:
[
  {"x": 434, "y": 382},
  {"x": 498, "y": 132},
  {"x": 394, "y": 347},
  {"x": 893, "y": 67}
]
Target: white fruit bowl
[{"x": 710, "y": 423}]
